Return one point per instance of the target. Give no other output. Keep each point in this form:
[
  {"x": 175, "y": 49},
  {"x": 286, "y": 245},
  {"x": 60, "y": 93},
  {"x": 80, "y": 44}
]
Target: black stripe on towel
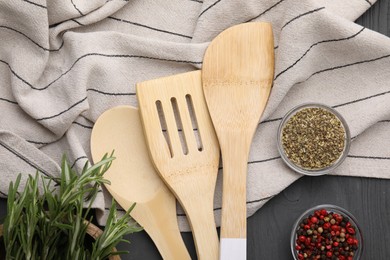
[
  {"x": 315, "y": 44},
  {"x": 32, "y": 164},
  {"x": 77, "y": 159},
  {"x": 271, "y": 120},
  {"x": 344, "y": 66},
  {"x": 9, "y": 101},
  {"x": 267, "y": 10},
  {"x": 42, "y": 6},
  {"x": 369, "y": 2},
  {"x": 265, "y": 160},
  {"x": 39, "y": 142},
  {"x": 14, "y": 73},
  {"x": 74, "y": 20},
  {"x": 112, "y": 93},
  {"x": 149, "y": 27},
  {"x": 75, "y": 7},
  {"x": 35, "y": 43},
  {"x": 340, "y": 105},
  {"x": 95, "y": 54},
  {"x": 64, "y": 111},
  {"x": 44, "y": 143},
  {"x": 369, "y": 157},
  {"x": 84, "y": 126},
  {"x": 209, "y": 7},
  {"x": 61, "y": 22},
  {"x": 362, "y": 99},
  {"x": 301, "y": 15}
]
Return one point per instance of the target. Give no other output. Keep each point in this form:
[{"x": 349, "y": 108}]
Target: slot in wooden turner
[
  {"x": 133, "y": 179},
  {"x": 189, "y": 166},
  {"x": 237, "y": 74}
]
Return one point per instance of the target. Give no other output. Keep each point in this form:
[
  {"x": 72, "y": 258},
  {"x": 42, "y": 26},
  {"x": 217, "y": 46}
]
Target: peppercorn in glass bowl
[
  {"x": 326, "y": 232},
  {"x": 313, "y": 139}
]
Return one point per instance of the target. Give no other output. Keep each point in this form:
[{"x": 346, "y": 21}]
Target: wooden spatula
[
  {"x": 133, "y": 179},
  {"x": 187, "y": 159},
  {"x": 237, "y": 74}
]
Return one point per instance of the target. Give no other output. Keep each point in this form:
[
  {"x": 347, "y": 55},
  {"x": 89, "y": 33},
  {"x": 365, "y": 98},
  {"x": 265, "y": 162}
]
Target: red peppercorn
[
  {"x": 338, "y": 217},
  {"x": 350, "y": 240},
  {"x": 341, "y": 257},
  {"x": 302, "y": 238},
  {"x": 300, "y": 256},
  {"x": 326, "y": 225},
  {"x": 329, "y": 254},
  {"x": 350, "y": 257},
  {"x": 355, "y": 242},
  {"x": 351, "y": 230},
  {"x": 335, "y": 243},
  {"x": 323, "y": 212},
  {"x": 328, "y": 247},
  {"x": 306, "y": 227},
  {"x": 314, "y": 220},
  {"x": 335, "y": 228}
]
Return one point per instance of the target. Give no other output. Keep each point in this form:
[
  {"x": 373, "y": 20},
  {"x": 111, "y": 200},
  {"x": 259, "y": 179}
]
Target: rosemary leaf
[{"x": 51, "y": 223}]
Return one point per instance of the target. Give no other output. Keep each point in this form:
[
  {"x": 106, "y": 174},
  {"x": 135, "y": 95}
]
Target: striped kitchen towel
[{"x": 64, "y": 62}]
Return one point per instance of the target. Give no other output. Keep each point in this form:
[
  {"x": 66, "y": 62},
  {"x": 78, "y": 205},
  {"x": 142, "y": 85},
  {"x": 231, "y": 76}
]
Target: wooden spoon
[
  {"x": 237, "y": 74},
  {"x": 187, "y": 164},
  {"x": 133, "y": 179}
]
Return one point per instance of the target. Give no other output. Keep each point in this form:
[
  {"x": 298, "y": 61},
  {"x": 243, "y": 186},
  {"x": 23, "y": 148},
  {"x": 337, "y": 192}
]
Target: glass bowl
[
  {"x": 330, "y": 209},
  {"x": 321, "y": 171}
]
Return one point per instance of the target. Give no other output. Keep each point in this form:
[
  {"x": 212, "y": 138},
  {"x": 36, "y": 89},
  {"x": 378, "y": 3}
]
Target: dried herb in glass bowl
[{"x": 313, "y": 139}]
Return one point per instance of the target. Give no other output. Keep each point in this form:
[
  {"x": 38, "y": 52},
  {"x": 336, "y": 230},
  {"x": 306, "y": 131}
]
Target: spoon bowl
[{"x": 134, "y": 179}]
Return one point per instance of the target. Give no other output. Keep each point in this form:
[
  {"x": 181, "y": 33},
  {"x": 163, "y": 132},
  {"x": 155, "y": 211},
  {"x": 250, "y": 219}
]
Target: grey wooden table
[{"x": 269, "y": 229}]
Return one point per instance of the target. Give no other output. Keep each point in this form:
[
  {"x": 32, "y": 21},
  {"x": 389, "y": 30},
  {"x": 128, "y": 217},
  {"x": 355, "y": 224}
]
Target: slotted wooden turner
[
  {"x": 189, "y": 166},
  {"x": 237, "y": 74},
  {"x": 133, "y": 179}
]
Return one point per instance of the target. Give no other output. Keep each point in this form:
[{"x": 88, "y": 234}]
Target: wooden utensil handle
[
  {"x": 164, "y": 232},
  {"x": 200, "y": 214},
  {"x": 234, "y": 160},
  {"x": 233, "y": 221},
  {"x": 168, "y": 241}
]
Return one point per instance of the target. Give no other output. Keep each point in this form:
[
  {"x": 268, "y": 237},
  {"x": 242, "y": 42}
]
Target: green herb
[
  {"x": 52, "y": 224},
  {"x": 313, "y": 138}
]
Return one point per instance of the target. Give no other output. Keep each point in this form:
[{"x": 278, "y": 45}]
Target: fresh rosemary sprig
[{"x": 51, "y": 223}]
